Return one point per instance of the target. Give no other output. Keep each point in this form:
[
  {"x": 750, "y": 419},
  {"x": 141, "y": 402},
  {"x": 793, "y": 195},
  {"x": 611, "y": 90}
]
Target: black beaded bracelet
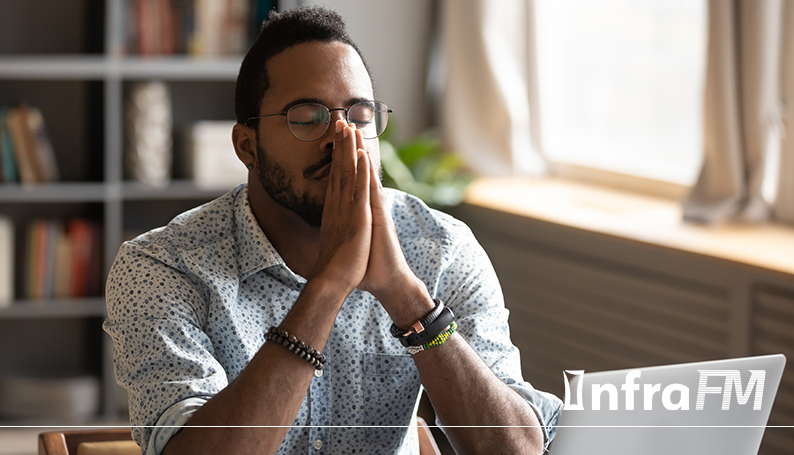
[{"x": 296, "y": 346}]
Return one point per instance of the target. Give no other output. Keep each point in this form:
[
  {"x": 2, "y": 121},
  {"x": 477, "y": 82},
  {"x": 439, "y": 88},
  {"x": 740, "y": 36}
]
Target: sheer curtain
[
  {"x": 784, "y": 203},
  {"x": 490, "y": 91},
  {"x": 742, "y": 114},
  {"x": 491, "y": 115}
]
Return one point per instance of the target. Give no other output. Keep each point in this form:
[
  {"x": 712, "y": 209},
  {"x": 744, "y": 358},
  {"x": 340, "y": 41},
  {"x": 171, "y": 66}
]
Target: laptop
[{"x": 719, "y": 407}]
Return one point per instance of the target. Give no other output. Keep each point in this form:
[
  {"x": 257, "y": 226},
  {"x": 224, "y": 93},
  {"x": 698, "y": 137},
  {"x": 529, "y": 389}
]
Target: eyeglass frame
[{"x": 347, "y": 119}]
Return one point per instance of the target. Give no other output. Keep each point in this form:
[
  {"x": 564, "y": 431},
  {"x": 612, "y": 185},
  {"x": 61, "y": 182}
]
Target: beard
[{"x": 278, "y": 183}]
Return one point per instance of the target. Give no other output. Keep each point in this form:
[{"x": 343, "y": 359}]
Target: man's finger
[
  {"x": 363, "y": 176},
  {"x": 374, "y": 184},
  {"x": 335, "y": 172},
  {"x": 348, "y": 161}
]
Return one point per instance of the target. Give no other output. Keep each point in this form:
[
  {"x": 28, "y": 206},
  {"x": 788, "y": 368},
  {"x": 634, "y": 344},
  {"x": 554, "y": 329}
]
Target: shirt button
[
  {"x": 318, "y": 374},
  {"x": 317, "y": 444}
]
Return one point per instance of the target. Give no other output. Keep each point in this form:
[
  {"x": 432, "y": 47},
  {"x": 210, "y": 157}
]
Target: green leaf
[{"x": 421, "y": 167}]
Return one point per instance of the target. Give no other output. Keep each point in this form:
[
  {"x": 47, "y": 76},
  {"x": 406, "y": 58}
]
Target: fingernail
[
  {"x": 339, "y": 125},
  {"x": 353, "y": 126},
  {"x": 345, "y": 132}
]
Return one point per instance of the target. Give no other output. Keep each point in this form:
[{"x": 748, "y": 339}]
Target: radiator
[{"x": 585, "y": 301}]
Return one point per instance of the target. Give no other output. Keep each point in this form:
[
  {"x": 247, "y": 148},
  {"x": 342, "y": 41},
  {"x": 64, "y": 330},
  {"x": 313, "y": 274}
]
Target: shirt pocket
[{"x": 391, "y": 388}]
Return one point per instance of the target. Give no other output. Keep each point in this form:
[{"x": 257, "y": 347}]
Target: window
[{"x": 621, "y": 85}]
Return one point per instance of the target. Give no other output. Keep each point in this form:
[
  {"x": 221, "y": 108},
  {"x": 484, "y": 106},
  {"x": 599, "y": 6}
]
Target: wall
[
  {"x": 394, "y": 37},
  {"x": 581, "y": 300}
]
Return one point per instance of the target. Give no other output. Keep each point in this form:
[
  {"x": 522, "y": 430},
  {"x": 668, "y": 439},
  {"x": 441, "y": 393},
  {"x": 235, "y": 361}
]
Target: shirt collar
[{"x": 255, "y": 250}]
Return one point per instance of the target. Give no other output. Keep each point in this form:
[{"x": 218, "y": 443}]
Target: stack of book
[
  {"x": 193, "y": 27},
  {"x": 26, "y": 153},
  {"x": 62, "y": 259},
  {"x": 209, "y": 158}
]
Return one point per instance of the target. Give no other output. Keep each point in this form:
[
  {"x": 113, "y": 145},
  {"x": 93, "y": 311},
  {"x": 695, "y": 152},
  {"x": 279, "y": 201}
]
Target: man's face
[{"x": 295, "y": 173}]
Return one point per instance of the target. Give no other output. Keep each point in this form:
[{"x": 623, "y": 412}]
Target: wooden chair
[
  {"x": 116, "y": 441},
  {"x": 119, "y": 442},
  {"x": 427, "y": 443}
]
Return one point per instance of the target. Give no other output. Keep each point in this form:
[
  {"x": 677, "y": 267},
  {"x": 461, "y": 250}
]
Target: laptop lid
[{"x": 719, "y": 406}]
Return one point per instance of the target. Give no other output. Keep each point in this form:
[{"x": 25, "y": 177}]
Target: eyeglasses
[{"x": 309, "y": 121}]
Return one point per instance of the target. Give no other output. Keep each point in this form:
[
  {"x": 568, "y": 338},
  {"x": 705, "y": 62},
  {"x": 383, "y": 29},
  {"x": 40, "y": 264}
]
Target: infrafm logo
[{"x": 675, "y": 397}]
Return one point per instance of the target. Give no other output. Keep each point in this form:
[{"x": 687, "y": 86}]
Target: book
[
  {"x": 41, "y": 258},
  {"x": 42, "y": 145},
  {"x": 62, "y": 286},
  {"x": 78, "y": 232},
  {"x": 7, "y": 149},
  {"x": 209, "y": 158},
  {"x": 36, "y": 259},
  {"x": 52, "y": 229},
  {"x": 6, "y": 262},
  {"x": 23, "y": 145},
  {"x": 85, "y": 243},
  {"x": 62, "y": 260},
  {"x": 30, "y": 144},
  {"x": 193, "y": 27},
  {"x": 235, "y": 27}
]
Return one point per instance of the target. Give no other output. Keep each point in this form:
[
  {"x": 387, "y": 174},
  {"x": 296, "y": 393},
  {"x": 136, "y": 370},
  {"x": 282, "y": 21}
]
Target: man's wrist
[
  {"x": 330, "y": 284},
  {"x": 408, "y": 303}
]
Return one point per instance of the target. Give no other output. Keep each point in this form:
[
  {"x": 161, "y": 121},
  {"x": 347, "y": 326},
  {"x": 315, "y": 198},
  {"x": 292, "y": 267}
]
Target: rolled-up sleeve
[
  {"x": 161, "y": 354},
  {"x": 469, "y": 285}
]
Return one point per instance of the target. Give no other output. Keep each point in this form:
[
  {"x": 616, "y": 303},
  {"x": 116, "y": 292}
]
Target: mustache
[{"x": 311, "y": 170}]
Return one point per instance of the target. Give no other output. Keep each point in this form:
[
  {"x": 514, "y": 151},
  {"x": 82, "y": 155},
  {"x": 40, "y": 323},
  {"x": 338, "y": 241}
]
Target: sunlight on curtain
[{"x": 621, "y": 84}]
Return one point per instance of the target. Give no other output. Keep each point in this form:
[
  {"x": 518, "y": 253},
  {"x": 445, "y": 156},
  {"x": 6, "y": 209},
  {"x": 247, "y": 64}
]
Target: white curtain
[
  {"x": 784, "y": 203},
  {"x": 490, "y": 102},
  {"x": 490, "y": 89},
  {"x": 747, "y": 167}
]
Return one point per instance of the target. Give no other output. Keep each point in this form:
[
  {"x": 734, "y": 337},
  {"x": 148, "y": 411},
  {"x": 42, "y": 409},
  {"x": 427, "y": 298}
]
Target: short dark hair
[{"x": 279, "y": 32}]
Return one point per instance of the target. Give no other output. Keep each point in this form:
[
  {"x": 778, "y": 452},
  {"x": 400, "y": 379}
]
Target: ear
[{"x": 244, "y": 140}]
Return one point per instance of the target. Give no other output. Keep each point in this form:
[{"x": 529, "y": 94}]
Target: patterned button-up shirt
[{"x": 189, "y": 303}]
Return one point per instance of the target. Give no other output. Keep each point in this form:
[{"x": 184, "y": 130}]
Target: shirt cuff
[
  {"x": 171, "y": 421},
  {"x": 548, "y": 424}
]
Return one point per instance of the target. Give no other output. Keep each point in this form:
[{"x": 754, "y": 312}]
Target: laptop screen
[{"x": 717, "y": 406}]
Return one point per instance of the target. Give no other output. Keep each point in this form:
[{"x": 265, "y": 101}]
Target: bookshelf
[{"x": 67, "y": 57}]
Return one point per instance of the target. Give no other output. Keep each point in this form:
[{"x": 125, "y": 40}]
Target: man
[{"x": 314, "y": 256}]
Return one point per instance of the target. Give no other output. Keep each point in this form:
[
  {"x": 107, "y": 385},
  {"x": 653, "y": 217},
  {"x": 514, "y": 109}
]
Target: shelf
[
  {"x": 177, "y": 68},
  {"x": 176, "y": 190},
  {"x": 54, "y": 192},
  {"x": 101, "y": 192},
  {"x": 60, "y": 308},
  {"x": 84, "y": 98},
  {"x": 59, "y": 67},
  {"x": 53, "y": 67}
]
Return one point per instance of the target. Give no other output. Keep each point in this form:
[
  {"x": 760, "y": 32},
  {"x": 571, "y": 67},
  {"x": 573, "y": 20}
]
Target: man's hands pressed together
[
  {"x": 346, "y": 231},
  {"x": 358, "y": 242}
]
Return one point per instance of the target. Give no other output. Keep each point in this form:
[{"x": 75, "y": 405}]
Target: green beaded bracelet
[{"x": 440, "y": 339}]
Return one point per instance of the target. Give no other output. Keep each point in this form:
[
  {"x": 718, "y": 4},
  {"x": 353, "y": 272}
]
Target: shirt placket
[
  {"x": 320, "y": 414},
  {"x": 319, "y": 394}
]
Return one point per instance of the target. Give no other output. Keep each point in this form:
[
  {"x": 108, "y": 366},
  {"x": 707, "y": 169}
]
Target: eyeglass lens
[{"x": 308, "y": 122}]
